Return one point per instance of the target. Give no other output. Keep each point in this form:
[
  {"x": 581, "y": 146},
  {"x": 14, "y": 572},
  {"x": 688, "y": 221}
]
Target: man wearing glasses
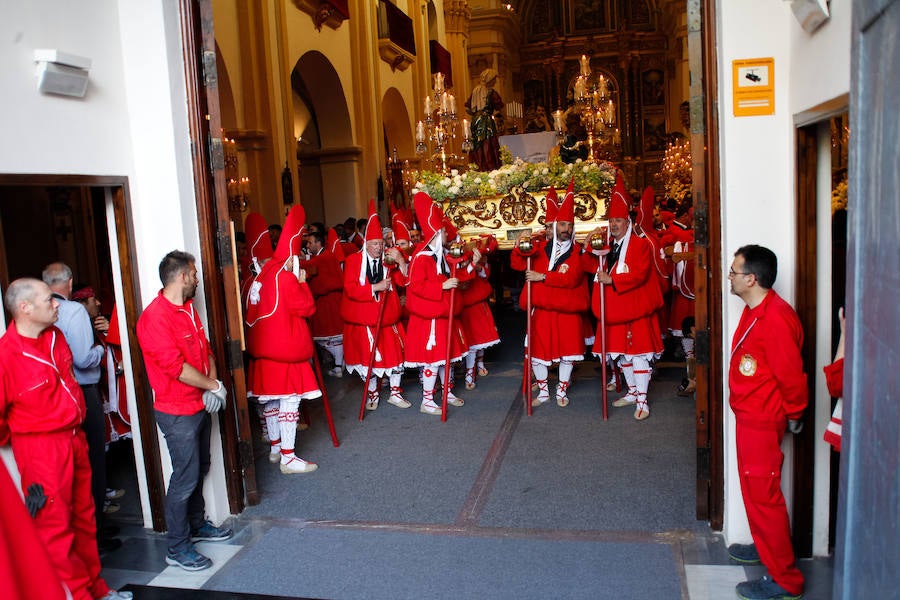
[{"x": 767, "y": 394}]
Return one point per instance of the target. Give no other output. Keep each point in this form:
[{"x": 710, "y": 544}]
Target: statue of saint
[{"x": 483, "y": 104}]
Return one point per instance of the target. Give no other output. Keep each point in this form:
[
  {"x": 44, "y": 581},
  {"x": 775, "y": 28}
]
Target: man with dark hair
[
  {"x": 41, "y": 413},
  {"x": 182, "y": 373},
  {"x": 767, "y": 394}
]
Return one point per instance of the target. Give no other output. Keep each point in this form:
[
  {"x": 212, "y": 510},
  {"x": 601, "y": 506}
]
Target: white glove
[
  {"x": 211, "y": 402},
  {"x": 221, "y": 393},
  {"x": 214, "y": 400}
]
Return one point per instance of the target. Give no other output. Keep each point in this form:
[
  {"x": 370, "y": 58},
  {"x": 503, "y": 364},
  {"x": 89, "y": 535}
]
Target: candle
[
  {"x": 451, "y": 103},
  {"x": 438, "y": 82},
  {"x": 420, "y": 131},
  {"x": 601, "y": 85},
  {"x": 579, "y": 88},
  {"x": 585, "y": 66},
  {"x": 465, "y": 128},
  {"x": 557, "y": 120}
]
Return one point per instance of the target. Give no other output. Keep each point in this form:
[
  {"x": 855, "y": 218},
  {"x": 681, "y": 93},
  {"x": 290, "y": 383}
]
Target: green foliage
[{"x": 597, "y": 178}]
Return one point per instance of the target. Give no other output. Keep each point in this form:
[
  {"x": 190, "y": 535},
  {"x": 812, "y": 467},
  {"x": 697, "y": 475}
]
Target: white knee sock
[
  {"x": 288, "y": 415},
  {"x": 337, "y": 350},
  {"x": 270, "y": 412},
  {"x": 540, "y": 375},
  {"x": 565, "y": 376},
  {"x": 641, "y": 374},
  {"x": 429, "y": 379},
  {"x": 628, "y": 372}
]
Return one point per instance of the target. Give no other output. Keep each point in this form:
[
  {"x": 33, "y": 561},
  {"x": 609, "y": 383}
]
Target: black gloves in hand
[{"x": 35, "y": 499}]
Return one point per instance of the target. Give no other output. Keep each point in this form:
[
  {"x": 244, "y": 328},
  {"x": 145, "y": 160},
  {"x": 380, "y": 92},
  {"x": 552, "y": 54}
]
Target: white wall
[
  {"x": 132, "y": 123},
  {"x": 758, "y": 181}
]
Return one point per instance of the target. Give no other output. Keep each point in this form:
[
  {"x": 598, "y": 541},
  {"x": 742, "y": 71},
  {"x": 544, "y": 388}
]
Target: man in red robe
[
  {"x": 428, "y": 299},
  {"x": 370, "y": 290},
  {"x": 632, "y": 296},
  {"x": 559, "y": 298},
  {"x": 326, "y": 282},
  {"x": 278, "y": 339},
  {"x": 477, "y": 318}
]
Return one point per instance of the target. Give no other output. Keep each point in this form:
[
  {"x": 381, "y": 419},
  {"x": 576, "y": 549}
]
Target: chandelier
[
  {"x": 597, "y": 109},
  {"x": 676, "y": 170},
  {"x": 238, "y": 187},
  {"x": 436, "y": 133}
]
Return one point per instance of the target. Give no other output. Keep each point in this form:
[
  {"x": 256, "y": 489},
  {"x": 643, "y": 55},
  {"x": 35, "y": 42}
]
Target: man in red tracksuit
[
  {"x": 767, "y": 394},
  {"x": 41, "y": 412}
]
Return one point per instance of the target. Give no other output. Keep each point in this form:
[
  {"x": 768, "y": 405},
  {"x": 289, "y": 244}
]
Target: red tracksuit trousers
[
  {"x": 759, "y": 459},
  {"x": 67, "y": 523}
]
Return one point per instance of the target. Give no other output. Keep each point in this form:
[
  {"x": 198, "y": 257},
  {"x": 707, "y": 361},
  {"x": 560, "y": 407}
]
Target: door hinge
[
  {"x": 224, "y": 243},
  {"x": 216, "y": 154},
  {"x": 701, "y": 222},
  {"x": 245, "y": 451},
  {"x": 701, "y": 346},
  {"x": 703, "y": 464},
  {"x": 210, "y": 74},
  {"x": 233, "y": 355}
]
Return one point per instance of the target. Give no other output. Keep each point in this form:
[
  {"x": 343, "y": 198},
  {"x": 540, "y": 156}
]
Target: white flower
[
  {"x": 585, "y": 169},
  {"x": 445, "y": 181},
  {"x": 457, "y": 180},
  {"x": 454, "y": 172},
  {"x": 453, "y": 190},
  {"x": 577, "y": 161},
  {"x": 544, "y": 171}
]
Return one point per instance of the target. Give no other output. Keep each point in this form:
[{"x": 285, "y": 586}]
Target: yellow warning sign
[{"x": 753, "y": 86}]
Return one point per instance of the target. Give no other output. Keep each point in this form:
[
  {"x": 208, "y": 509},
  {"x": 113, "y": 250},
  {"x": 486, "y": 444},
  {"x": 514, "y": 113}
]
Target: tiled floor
[{"x": 706, "y": 569}]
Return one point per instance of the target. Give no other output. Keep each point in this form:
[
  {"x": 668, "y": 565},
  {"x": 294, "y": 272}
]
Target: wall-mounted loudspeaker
[{"x": 62, "y": 73}]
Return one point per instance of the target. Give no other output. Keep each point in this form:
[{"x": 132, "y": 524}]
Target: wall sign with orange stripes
[{"x": 753, "y": 86}]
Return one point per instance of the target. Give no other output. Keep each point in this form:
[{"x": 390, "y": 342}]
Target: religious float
[{"x": 511, "y": 199}]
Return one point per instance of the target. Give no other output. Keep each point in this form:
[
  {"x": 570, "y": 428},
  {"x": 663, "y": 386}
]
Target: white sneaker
[
  {"x": 296, "y": 464},
  {"x": 275, "y": 456},
  {"x": 336, "y": 372},
  {"x": 430, "y": 408}
]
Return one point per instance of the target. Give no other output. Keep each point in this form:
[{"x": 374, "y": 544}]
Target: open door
[
  {"x": 708, "y": 274},
  {"x": 220, "y": 276}
]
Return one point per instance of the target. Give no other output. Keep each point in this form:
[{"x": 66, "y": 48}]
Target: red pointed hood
[
  {"x": 567, "y": 208},
  {"x": 259, "y": 244},
  {"x": 429, "y": 214},
  {"x": 552, "y": 202},
  {"x": 373, "y": 224},
  {"x": 333, "y": 243},
  {"x": 291, "y": 239},
  {"x": 618, "y": 201},
  {"x": 645, "y": 210},
  {"x": 401, "y": 229}
]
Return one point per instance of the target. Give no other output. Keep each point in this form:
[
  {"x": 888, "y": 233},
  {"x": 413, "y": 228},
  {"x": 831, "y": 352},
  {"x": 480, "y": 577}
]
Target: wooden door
[
  {"x": 220, "y": 278},
  {"x": 867, "y": 549},
  {"x": 708, "y": 276}
]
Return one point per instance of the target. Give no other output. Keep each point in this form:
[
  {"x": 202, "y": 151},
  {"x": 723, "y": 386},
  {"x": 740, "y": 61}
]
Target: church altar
[{"x": 530, "y": 147}]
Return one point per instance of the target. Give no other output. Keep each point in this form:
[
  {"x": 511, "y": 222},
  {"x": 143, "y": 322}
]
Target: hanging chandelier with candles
[
  {"x": 436, "y": 134},
  {"x": 597, "y": 109}
]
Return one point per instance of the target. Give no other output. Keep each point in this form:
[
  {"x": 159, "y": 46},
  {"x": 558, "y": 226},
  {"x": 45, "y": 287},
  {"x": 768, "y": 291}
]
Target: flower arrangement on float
[{"x": 597, "y": 178}]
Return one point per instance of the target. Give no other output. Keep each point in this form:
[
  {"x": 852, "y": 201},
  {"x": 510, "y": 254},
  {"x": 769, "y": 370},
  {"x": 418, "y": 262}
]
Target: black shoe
[
  {"x": 210, "y": 533},
  {"x": 108, "y": 531},
  {"x": 108, "y": 544},
  {"x": 745, "y": 554}
]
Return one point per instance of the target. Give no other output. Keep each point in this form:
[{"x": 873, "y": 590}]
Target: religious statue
[
  {"x": 573, "y": 145},
  {"x": 483, "y": 104}
]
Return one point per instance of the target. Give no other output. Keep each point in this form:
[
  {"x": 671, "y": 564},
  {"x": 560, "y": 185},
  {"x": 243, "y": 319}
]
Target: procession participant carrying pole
[
  {"x": 602, "y": 246},
  {"x": 362, "y": 406},
  {"x": 527, "y": 247},
  {"x": 317, "y": 368},
  {"x": 453, "y": 259}
]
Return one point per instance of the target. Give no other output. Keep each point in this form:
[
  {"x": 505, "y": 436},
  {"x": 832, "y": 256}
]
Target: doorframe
[
  {"x": 132, "y": 303},
  {"x": 222, "y": 283},
  {"x": 806, "y": 284}
]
